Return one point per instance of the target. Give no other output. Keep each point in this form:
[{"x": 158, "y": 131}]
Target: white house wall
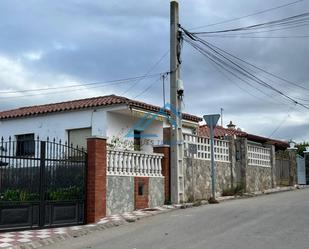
[
  {"x": 102, "y": 121},
  {"x": 56, "y": 125},
  {"x": 119, "y": 125}
]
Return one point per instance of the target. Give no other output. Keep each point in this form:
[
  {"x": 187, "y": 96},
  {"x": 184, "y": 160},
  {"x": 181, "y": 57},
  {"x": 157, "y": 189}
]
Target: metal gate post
[{"x": 42, "y": 183}]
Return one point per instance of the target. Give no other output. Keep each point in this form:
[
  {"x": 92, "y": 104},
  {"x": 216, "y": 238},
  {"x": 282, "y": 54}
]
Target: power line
[
  {"x": 258, "y": 37},
  {"x": 283, "y": 22},
  {"x": 149, "y": 71},
  {"x": 249, "y": 15},
  {"x": 282, "y": 122},
  {"x": 239, "y": 69},
  {"x": 124, "y": 80},
  {"x": 60, "y": 92},
  {"x": 148, "y": 88},
  {"x": 223, "y": 65},
  {"x": 259, "y": 68},
  {"x": 195, "y": 37}
]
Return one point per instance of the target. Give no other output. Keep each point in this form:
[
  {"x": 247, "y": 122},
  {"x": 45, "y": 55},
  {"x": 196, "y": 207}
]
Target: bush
[
  {"x": 65, "y": 194},
  {"x": 18, "y": 195},
  {"x": 238, "y": 190}
]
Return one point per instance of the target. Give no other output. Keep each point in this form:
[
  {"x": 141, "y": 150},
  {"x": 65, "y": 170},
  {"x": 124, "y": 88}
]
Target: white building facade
[{"x": 127, "y": 126}]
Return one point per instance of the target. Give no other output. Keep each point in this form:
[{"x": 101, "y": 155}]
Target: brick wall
[
  {"x": 96, "y": 179},
  {"x": 141, "y": 197}
]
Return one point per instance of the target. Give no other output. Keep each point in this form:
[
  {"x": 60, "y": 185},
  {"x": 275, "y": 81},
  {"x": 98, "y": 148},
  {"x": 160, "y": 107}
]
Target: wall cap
[
  {"x": 162, "y": 146},
  {"x": 97, "y": 137}
]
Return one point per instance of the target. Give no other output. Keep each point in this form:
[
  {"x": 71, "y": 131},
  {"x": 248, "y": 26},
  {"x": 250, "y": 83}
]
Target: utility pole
[{"x": 176, "y": 94}]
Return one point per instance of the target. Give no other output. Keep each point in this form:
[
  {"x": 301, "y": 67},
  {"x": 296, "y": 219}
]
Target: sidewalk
[{"x": 37, "y": 238}]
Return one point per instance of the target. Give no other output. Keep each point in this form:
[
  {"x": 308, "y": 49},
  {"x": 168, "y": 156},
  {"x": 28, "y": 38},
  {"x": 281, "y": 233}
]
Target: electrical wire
[
  {"x": 148, "y": 71},
  {"x": 282, "y": 122},
  {"x": 147, "y": 88},
  {"x": 259, "y": 37},
  {"x": 300, "y": 19},
  {"x": 259, "y": 68},
  {"x": 124, "y": 80},
  {"x": 239, "y": 68},
  {"x": 249, "y": 15}
]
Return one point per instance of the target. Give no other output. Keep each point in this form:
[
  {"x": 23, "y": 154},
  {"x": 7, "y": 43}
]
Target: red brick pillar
[
  {"x": 96, "y": 179},
  {"x": 166, "y": 169}
]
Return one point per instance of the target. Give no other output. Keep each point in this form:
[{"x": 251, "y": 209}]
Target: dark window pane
[{"x": 25, "y": 145}]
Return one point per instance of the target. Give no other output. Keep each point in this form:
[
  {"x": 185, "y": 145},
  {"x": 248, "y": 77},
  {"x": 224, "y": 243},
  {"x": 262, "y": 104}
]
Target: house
[
  {"x": 128, "y": 124},
  {"x": 231, "y": 131}
]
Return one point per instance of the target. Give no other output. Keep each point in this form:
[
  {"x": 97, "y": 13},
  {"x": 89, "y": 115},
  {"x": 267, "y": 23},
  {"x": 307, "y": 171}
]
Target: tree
[{"x": 301, "y": 147}]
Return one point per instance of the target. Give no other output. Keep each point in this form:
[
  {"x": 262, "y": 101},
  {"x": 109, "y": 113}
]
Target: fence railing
[
  {"x": 199, "y": 147},
  {"x": 133, "y": 163},
  {"x": 258, "y": 156}
]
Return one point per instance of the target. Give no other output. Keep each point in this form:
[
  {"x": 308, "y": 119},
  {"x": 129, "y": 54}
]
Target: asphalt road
[{"x": 272, "y": 221}]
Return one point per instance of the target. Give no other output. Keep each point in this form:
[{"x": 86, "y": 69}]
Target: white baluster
[
  {"x": 129, "y": 163},
  {"x": 156, "y": 166},
  {"x": 142, "y": 164},
  {"x": 118, "y": 162},
  {"x": 108, "y": 159},
  {"x": 112, "y": 162},
  {"x": 147, "y": 162},
  {"x": 124, "y": 164},
  {"x": 160, "y": 166}
]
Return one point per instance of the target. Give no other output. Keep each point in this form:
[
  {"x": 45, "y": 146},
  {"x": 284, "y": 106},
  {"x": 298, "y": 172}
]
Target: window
[
  {"x": 78, "y": 137},
  {"x": 25, "y": 145},
  {"x": 137, "y": 140}
]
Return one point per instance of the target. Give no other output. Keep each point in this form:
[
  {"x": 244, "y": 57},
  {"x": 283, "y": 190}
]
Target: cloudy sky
[{"x": 61, "y": 43}]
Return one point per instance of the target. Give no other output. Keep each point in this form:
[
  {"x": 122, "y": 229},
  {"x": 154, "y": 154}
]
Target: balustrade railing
[{"x": 133, "y": 163}]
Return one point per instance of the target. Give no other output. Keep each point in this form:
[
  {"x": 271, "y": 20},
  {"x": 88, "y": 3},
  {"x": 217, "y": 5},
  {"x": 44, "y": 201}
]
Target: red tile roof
[
  {"x": 219, "y": 132},
  {"x": 222, "y": 132},
  {"x": 108, "y": 100}
]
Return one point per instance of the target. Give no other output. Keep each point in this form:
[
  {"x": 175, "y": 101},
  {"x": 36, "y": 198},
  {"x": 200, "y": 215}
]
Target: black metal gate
[{"x": 42, "y": 184}]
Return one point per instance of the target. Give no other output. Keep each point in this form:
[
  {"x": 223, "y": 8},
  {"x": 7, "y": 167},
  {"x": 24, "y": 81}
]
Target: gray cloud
[{"x": 55, "y": 43}]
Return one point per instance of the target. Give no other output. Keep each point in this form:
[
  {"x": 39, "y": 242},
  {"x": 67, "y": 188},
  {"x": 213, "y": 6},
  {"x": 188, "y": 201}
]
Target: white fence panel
[
  {"x": 133, "y": 163},
  {"x": 202, "y": 145},
  {"x": 258, "y": 156}
]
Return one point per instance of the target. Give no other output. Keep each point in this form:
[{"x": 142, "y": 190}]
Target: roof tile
[{"x": 83, "y": 104}]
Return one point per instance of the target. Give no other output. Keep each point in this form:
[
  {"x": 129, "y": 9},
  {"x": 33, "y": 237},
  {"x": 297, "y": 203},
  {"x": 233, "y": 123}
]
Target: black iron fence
[{"x": 42, "y": 183}]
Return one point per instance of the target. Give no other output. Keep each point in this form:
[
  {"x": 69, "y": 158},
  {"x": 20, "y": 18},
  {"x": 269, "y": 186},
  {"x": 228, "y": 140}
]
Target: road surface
[{"x": 266, "y": 222}]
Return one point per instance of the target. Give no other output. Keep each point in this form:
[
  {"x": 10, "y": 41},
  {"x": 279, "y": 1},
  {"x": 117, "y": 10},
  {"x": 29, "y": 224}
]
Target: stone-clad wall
[
  {"x": 258, "y": 178},
  {"x": 156, "y": 191},
  {"x": 198, "y": 178},
  {"x": 120, "y": 193}
]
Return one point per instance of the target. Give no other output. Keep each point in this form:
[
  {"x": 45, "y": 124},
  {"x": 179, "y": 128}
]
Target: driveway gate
[{"x": 42, "y": 184}]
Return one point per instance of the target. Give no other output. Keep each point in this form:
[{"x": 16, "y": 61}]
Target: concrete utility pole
[{"x": 176, "y": 94}]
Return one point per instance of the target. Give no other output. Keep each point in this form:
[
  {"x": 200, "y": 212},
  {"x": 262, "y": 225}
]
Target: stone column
[
  {"x": 293, "y": 166},
  {"x": 96, "y": 179},
  {"x": 272, "y": 164},
  {"x": 232, "y": 156},
  {"x": 242, "y": 161},
  {"x": 166, "y": 169}
]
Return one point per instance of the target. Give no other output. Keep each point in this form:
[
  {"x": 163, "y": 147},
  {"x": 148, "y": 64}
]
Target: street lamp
[{"x": 211, "y": 121}]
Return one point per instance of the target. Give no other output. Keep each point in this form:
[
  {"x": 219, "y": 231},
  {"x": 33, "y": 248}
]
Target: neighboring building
[
  {"x": 111, "y": 116},
  {"x": 221, "y": 132}
]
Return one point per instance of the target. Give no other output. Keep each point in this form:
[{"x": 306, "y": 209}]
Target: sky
[{"x": 50, "y": 44}]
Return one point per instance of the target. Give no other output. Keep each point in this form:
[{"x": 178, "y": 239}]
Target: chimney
[{"x": 231, "y": 126}]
